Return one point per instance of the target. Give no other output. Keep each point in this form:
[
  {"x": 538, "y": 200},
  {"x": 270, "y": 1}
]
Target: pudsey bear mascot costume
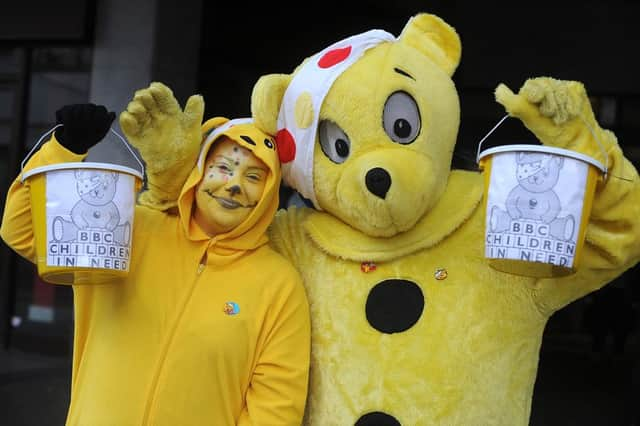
[{"x": 410, "y": 324}]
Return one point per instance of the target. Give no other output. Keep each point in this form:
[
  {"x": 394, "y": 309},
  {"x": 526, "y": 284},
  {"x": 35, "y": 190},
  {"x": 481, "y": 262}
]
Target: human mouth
[{"x": 227, "y": 203}]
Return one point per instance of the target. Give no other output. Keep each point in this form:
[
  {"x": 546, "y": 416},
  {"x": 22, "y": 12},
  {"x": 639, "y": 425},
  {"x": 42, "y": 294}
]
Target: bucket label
[
  {"x": 534, "y": 207},
  {"x": 89, "y": 218}
]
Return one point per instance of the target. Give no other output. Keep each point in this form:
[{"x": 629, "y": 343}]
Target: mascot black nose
[{"x": 378, "y": 182}]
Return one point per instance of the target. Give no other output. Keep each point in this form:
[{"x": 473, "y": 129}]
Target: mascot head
[{"x": 366, "y": 128}]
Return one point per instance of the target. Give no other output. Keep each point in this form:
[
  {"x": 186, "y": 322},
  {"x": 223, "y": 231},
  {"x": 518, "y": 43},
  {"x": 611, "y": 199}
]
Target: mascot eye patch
[
  {"x": 268, "y": 143},
  {"x": 377, "y": 418},
  {"x": 401, "y": 118},
  {"x": 394, "y": 306},
  {"x": 334, "y": 141}
]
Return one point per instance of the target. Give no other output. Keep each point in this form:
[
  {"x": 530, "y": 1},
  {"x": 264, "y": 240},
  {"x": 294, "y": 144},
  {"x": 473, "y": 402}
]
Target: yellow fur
[
  {"x": 167, "y": 137},
  {"x": 471, "y": 356},
  {"x": 435, "y": 39}
]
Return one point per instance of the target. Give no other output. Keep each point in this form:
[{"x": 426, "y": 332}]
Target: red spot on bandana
[
  {"x": 334, "y": 56},
  {"x": 286, "y": 146}
]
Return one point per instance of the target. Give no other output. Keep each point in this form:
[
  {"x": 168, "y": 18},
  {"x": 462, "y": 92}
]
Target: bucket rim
[
  {"x": 81, "y": 165},
  {"x": 546, "y": 149}
]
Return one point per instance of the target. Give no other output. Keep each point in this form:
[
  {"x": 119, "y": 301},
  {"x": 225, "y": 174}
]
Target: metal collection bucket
[{"x": 82, "y": 216}]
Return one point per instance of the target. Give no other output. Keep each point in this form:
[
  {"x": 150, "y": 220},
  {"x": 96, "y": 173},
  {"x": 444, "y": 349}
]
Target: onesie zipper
[{"x": 171, "y": 334}]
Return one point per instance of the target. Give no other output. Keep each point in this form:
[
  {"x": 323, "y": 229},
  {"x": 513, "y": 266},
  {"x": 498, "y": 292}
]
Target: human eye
[
  {"x": 255, "y": 175},
  {"x": 223, "y": 167}
]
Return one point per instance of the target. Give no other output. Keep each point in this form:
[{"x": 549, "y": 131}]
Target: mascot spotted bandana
[{"x": 300, "y": 112}]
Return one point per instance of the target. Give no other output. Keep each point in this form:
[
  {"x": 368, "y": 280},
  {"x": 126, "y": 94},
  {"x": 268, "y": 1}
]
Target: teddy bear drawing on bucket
[
  {"x": 410, "y": 324},
  {"x": 535, "y": 198},
  {"x": 95, "y": 208}
]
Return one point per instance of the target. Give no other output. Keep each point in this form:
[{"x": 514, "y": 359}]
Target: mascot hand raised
[
  {"x": 559, "y": 114},
  {"x": 167, "y": 137}
]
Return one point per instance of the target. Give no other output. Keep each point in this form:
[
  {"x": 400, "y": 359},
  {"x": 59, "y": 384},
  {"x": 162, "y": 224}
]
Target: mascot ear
[
  {"x": 266, "y": 99},
  {"x": 435, "y": 39}
]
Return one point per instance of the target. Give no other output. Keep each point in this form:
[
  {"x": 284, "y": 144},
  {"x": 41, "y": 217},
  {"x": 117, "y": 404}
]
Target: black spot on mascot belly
[
  {"x": 377, "y": 418},
  {"x": 394, "y": 306}
]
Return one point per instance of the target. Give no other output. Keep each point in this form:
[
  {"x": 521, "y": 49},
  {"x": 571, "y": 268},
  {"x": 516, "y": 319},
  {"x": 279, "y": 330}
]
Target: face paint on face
[{"x": 230, "y": 188}]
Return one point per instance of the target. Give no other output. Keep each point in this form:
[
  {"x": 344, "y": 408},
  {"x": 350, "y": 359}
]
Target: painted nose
[
  {"x": 233, "y": 190},
  {"x": 378, "y": 182}
]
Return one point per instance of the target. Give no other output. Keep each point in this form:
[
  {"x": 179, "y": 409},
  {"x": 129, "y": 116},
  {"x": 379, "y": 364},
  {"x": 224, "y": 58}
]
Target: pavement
[{"x": 574, "y": 386}]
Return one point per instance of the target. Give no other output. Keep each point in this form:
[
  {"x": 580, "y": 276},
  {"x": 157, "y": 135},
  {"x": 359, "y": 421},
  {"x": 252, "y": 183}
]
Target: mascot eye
[
  {"x": 334, "y": 142},
  {"x": 401, "y": 118}
]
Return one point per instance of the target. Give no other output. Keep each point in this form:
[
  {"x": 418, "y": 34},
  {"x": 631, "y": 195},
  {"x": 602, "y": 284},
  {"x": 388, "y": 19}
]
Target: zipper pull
[{"x": 203, "y": 260}]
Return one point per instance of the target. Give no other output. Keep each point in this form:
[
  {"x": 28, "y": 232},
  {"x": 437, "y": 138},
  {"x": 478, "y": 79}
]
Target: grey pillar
[{"x": 137, "y": 43}]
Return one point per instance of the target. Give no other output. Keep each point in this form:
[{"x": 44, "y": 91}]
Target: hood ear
[
  {"x": 435, "y": 39},
  {"x": 266, "y": 99}
]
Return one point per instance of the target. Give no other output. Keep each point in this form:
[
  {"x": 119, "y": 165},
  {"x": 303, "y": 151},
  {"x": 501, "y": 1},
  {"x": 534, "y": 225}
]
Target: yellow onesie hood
[{"x": 251, "y": 233}]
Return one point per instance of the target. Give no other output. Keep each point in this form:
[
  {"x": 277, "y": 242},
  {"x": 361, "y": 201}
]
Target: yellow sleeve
[
  {"x": 612, "y": 240},
  {"x": 16, "y": 229},
  {"x": 278, "y": 389}
]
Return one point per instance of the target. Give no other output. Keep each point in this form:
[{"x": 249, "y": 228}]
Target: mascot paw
[
  {"x": 561, "y": 101},
  {"x": 552, "y": 109},
  {"x": 167, "y": 137}
]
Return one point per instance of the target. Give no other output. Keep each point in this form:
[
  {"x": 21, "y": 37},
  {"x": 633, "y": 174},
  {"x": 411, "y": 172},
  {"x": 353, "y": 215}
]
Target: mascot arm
[
  {"x": 559, "y": 114},
  {"x": 16, "y": 229},
  {"x": 168, "y": 139},
  {"x": 286, "y": 234}
]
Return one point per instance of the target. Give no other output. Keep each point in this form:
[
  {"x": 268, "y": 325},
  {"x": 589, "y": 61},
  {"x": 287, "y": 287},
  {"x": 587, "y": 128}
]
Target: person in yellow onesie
[{"x": 211, "y": 326}]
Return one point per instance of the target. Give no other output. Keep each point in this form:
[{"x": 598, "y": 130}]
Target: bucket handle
[
  {"x": 487, "y": 135},
  {"x": 129, "y": 149},
  {"x": 602, "y": 150},
  {"x": 48, "y": 132}
]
